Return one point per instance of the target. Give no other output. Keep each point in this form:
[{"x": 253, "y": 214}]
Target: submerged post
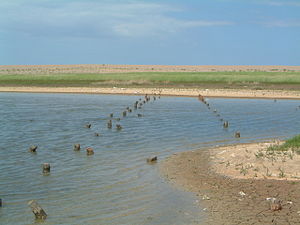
[
  {"x": 33, "y": 148},
  {"x": 76, "y": 147},
  {"x": 152, "y": 159},
  {"x": 46, "y": 168},
  {"x": 37, "y": 210},
  {"x": 109, "y": 124},
  {"x": 119, "y": 127},
  {"x": 90, "y": 151},
  {"x": 225, "y": 124}
]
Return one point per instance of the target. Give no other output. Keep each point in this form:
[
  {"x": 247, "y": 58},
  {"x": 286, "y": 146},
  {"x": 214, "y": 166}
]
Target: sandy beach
[
  {"x": 236, "y": 187},
  {"x": 188, "y": 92}
]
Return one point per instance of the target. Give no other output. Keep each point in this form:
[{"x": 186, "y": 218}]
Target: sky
[{"x": 150, "y": 32}]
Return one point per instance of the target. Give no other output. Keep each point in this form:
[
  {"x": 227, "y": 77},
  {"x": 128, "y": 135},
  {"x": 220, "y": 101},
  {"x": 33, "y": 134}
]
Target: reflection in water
[{"x": 116, "y": 185}]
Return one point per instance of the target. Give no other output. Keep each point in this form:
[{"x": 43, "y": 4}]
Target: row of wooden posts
[
  {"x": 225, "y": 122},
  {"x": 37, "y": 210}
]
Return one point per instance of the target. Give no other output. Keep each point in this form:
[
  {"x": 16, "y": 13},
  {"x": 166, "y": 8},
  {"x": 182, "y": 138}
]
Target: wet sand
[
  {"x": 224, "y": 93},
  {"x": 231, "y": 199}
]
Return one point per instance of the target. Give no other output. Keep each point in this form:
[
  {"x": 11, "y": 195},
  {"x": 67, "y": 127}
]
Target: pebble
[{"x": 242, "y": 193}]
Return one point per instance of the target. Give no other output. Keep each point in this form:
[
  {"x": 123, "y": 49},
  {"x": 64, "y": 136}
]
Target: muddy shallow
[{"x": 232, "y": 201}]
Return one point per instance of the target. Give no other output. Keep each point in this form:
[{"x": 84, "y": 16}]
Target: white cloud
[
  {"x": 280, "y": 23},
  {"x": 94, "y": 19}
]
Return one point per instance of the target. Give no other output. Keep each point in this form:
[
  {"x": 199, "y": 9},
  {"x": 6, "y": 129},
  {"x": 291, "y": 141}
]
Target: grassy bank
[
  {"x": 292, "y": 144},
  {"x": 224, "y": 79}
]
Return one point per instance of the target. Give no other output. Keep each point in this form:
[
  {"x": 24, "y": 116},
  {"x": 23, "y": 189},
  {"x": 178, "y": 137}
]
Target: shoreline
[
  {"x": 228, "y": 198},
  {"x": 180, "y": 92}
]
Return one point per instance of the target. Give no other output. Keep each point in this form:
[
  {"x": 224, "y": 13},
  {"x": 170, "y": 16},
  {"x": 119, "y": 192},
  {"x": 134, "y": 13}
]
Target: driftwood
[
  {"x": 37, "y": 210},
  {"x": 275, "y": 205}
]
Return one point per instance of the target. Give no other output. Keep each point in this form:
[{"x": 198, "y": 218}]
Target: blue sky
[{"x": 177, "y": 32}]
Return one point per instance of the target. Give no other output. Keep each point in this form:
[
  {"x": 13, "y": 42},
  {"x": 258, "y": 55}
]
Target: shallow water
[{"x": 116, "y": 185}]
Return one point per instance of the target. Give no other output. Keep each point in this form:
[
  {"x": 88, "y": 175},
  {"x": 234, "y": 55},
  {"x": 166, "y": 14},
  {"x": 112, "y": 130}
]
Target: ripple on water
[{"x": 116, "y": 185}]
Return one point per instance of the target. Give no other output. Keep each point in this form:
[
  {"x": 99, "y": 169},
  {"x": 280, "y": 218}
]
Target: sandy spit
[
  {"x": 225, "y": 93},
  {"x": 229, "y": 197}
]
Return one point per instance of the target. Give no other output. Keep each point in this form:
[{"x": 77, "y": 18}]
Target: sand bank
[
  {"x": 225, "y": 93},
  {"x": 235, "y": 184}
]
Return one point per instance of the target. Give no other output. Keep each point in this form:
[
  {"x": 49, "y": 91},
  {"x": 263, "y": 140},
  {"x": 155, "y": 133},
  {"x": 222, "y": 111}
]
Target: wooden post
[
  {"x": 46, "y": 168},
  {"x": 225, "y": 124},
  {"x": 237, "y": 134},
  {"x": 152, "y": 159},
  {"x": 88, "y": 125},
  {"x": 124, "y": 113},
  {"x": 111, "y": 115},
  {"x": 90, "y": 151},
  {"x": 33, "y": 148},
  {"x": 109, "y": 124},
  {"x": 0, "y": 202},
  {"x": 119, "y": 127},
  {"x": 37, "y": 210},
  {"x": 77, "y": 147}
]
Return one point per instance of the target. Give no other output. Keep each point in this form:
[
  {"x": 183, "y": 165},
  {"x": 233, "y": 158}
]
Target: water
[{"x": 116, "y": 185}]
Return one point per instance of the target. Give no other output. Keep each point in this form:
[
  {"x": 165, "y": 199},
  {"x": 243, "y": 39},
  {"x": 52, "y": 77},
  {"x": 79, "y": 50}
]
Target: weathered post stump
[
  {"x": 109, "y": 124},
  {"x": 77, "y": 147},
  {"x": 97, "y": 134},
  {"x": 33, "y": 148},
  {"x": 124, "y": 113},
  {"x": 46, "y": 168},
  {"x": 225, "y": 124},
  {"x": 139, "y": 115},
  {"x": 119, "y": 127},
  {"x": 90, "y": 151},
  {"x": 88, "y": 125},
  {"x": 237, "y": 134},
  {"x": 111, "y": 115},
  {"x": 37, "y": 210},
  {"x": 152, "y": 159},
  {"x": 0, "y": 202}
]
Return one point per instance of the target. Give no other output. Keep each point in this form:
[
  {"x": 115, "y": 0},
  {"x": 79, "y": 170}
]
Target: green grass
[
  {"x": 152, "y": 78},
  {"x": 292, "y": 144}
]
